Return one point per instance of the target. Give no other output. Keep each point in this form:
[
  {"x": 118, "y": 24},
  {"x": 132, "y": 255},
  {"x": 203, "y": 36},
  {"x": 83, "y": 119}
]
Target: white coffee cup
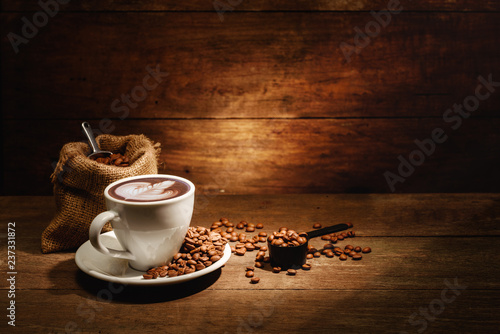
[{"x": 149, "y": 228}]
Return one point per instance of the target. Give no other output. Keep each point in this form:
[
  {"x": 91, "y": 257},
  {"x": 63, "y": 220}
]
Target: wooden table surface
[{"x": 434, "y": 268}]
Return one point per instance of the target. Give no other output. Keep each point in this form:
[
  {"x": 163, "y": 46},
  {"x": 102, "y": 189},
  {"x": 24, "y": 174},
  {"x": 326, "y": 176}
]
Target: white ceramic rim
[{"x": 168, "y": 200}]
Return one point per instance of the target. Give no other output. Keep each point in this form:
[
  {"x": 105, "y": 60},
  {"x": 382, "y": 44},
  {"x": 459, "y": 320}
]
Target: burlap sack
[{"x": 79, "y": 184}]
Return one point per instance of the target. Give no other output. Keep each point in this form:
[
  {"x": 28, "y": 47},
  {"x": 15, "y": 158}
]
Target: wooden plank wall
[{"x": 260, "y": 98}]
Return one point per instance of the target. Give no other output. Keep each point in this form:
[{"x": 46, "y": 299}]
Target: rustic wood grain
[
  {"x": 277, "y": 156},
  {"x": 254, "y": 65},
  {"x": 399, "y": 263},
  {"x": 258, "y": 5},
  {"x": 385, "y": 292},
  {"x": 373, "y": 215},
  {"x": 321, "y": 311},
  {"x": 426, "y": 241}
]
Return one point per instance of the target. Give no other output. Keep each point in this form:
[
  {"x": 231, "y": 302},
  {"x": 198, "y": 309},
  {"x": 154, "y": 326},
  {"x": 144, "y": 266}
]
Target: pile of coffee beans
[
  {"x": 334, "y": 237},
  {"x": 330, "y": 251},
  {"x": 116, "y": 159},
  {"x": 287, "y": 238},
  {"x": 243, "y": 242},
  {"x": 201, "y": 248}
]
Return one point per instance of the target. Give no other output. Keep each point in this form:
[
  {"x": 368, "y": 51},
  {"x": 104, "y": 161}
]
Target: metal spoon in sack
[{"x": 96, "y": 151}]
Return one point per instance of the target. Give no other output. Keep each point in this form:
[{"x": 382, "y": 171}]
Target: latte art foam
[{"x": 149, "y": 189}]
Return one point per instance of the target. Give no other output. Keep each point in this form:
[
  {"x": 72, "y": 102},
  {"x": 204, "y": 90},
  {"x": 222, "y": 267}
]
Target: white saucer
[{"x": 115, "y": 270}]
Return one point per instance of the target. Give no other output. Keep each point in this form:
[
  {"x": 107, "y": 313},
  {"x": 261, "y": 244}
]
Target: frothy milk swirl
[{"x": 148, "y": 190}]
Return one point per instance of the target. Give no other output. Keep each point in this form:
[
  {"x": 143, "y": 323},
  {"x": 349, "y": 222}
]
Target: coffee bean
[
  {"x": 317, "y": 254},
  {"x": 309, "y": 256},
  {"x": 325, "y": 237},
  {"x": 249, "y": 273},
  {"x": 212, "y": 252},
  {"x": 241, "y": 251},
  {"x": 267, "y": 259},
  {"x": 262, "y": 239},
  {"x": 276, "y": 270},
  {"x": 302, "y": 240},
  {"x": 357, "y": 249},
  {"x": 317, "y": 225},
  {"x": 233, "y": 238},
  {"x": 277, "y": 242},
  {"x": 263, "y": 248},
  {"x": 311, "y": 250},
  {"x": 366, "y": 250},
  {"x": 328, "y": 246},
  {"x": 349, "y": 247},
  {"x": 172, "y": 273},
  {"x": 215, "y": 258},
  {"x": 357, "y": 256},
  {"x": 230, "y": 229},
  {"x": 351, "y": 234},
  {"x": 259, "y": 226},
  {"x": 262, "y": 234},
  {"x": 306, "y": 266},
  {"x": 291, "y": 272},
  {"x": 259, "y": 264},
  {"x": 340, "y": 237},
  {"x": 249, "y": 246},
  {"x": 344, "y": 234},
  {"x": 255, "y": 280},
  {"x": 233, "y": 249},
  {"x": 147, "y": 276},
  {"x": 333, "y": 240},
  {"x": 343, "y": 257},
  {"x": 250, "y": 229},
  {"x": 240, "y": 226},
  {"x": 352, "y": 253}
]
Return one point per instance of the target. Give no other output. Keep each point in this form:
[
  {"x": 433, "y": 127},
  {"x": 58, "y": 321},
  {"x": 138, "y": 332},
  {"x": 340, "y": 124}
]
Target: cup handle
[{"x": 95, "y": 233}]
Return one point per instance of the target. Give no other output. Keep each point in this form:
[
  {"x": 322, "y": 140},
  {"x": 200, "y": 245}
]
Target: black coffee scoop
[{"x": 295, "y": 256}]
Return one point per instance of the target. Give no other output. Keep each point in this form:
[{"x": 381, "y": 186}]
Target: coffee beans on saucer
[{"x": 201, "y": 249}]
